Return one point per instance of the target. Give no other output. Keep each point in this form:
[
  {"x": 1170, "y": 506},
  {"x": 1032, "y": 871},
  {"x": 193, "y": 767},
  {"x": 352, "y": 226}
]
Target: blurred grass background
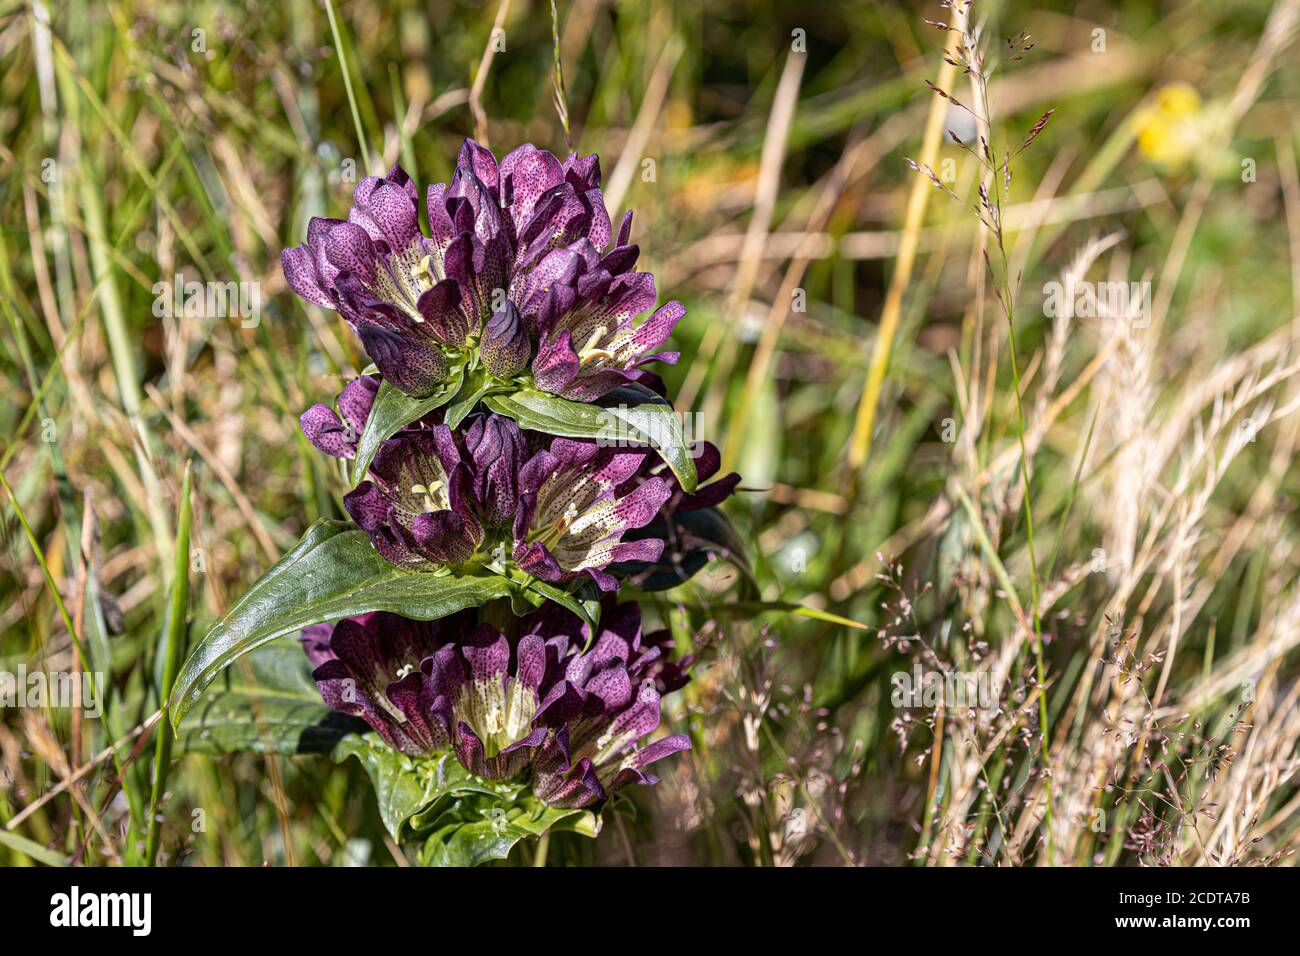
[{"x": 761, "y": 144}]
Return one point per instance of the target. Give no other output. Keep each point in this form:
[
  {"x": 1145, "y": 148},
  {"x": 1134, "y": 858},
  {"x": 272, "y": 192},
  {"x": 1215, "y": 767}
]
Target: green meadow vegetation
[{"x": 996, "y": 316}]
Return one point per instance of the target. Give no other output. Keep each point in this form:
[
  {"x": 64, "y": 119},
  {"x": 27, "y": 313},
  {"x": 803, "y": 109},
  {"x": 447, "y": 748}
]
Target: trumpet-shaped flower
[
  {"x": 560, "y": 515},
  {"x": 598, "y": 714},
  {"x": 417, "y": 505},
  {"x": 577, "y": 500},
  {"x": 337, "y": 433},
  {"x": 369, "y": 667}
]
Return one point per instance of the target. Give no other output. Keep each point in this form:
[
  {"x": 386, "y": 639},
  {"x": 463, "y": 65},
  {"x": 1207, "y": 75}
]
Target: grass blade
[{"x": 177, "y": 613}]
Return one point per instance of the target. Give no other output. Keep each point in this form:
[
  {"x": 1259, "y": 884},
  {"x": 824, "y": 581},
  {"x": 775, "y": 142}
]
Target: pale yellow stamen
[
  {"x": 590, "y": 352},
  {"x": 428, "y": 492},
  {"x": 424, "y": 277},
  {"x": 552, "y": 533}
]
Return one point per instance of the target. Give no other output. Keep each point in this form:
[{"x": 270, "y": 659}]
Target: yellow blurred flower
[{"x": 1170, "y": 130}]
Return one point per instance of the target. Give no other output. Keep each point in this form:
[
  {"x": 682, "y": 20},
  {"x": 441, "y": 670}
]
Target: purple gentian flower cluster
[
  {"x": 518, "y": 282},
  {"x": 520, "y": 263},
  {"x": 529, "y": 702},
  {"x": 435, "y": 498}
]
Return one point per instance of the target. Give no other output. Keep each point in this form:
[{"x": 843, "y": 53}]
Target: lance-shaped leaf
[
  {"x": 476, "y": 387},
  {"x": 393, "y": 410},
  {"x": 631, "y": 413},
  {"x": 333, "y": 572},
  {"x": 266, "y": 703},
  {"x": 21, "y": 845},
  {"x": 538, "y": 592},
  {"x": 751, "y": 609}
]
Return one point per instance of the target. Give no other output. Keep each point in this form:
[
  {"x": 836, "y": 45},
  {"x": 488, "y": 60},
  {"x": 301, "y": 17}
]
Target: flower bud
[
  {"x": 497, "y": 449},
  {"x": 414, "y": 365},
  {"x": 504, "y": 345}
]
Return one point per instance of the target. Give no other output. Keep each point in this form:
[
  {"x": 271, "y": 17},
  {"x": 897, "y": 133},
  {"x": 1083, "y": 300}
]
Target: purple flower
[
  {"x": 336, "y": 434},
  {"x": 505, "y": 349},
  {"x": 486, "y": 691},
  {"x": 689, "y": 525},
  {"x": 531, "y": 233},
  {"x": 497, "y": 450},
  {"x": 505, "y": 705},
  {"x": 597, "y": 715},
  {"x": 594, "y": 346},
  {"x": 417, "y": 505},
  {"x": 579, "y": 299},
  {"x": 429, "y": 503},
  {"x": 426, "y": 687},
  {"x": 576, "y": 501},
  {"x": 369, "y": 667},
  {"x": 379, "y": 271}
]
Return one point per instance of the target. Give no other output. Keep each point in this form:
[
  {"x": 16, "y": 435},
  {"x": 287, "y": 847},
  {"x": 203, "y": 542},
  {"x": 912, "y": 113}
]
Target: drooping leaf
[
  {"x": 333, "y": 572},
  {"x": 644, "y": 412},
  {"x": 393, "y": 410},
  {"x": 547, "y": 413},
  {"x": 632, "y": 413},
  {"x": 266, "y": 703},
  {"x": 539, "y": 591}
]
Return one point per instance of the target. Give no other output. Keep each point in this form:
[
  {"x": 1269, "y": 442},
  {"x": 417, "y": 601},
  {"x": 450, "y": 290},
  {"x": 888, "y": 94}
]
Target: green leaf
[
  {"x": 543, "y": 591},
  {"x": 477, "y": 831},
  {"x": 333, "y": 572},
  {"x": 174, "y": 634},
  {"x": 31, "y": 848},
  {"x": 632, "y": 412},
  {"x": 413, "y": 792},
  {"x": 755, "y": 608},
  {"x": 472, "y": 392},
  {"x": 469, "y": 820},
  {"x": 267, "y": 704},
  {"x": 393, "y": 410},
  {"x": 647, "y": 414}
]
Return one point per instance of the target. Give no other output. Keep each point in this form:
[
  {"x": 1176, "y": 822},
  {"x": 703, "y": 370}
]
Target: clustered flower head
[
  {"x": 435, "y": 499},
  {"x": 533, "y": 701},
  {"x": 520, "y": 266},
  {"x": 518, "y": 282}
]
